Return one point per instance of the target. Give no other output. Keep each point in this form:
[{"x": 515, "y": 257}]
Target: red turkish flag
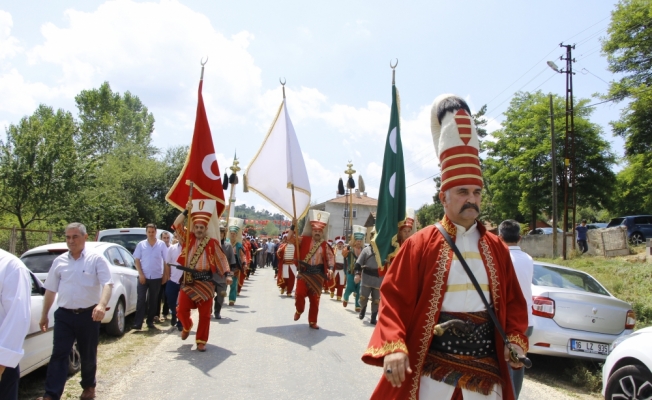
[{"x": 200, "y": 167}]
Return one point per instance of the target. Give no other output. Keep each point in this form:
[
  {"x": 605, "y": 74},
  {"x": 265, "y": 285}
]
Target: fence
[{"x": 17, "y": 241}]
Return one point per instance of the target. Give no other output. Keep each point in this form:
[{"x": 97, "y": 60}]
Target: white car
[
  {"x": 573, "y": 315},
  {"x": 626, "y": 372},
  {"x": 38, "y": 345},
  {"x": 123, "y": 272},
  {"x": 127, "y": 237}
]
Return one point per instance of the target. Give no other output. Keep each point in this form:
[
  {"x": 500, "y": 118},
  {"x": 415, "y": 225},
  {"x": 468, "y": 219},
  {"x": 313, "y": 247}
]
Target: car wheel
[
  {"x": 117, "y": 325},
  {"x": 74, "y": 364},
  {"x": 629, "y": 382},
  {"x": 637, "y": 238}
]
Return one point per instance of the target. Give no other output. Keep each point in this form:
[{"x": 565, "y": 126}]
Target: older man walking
[
  {"x": 153, "y": 271},
  {"x": 82, "y": 280}
]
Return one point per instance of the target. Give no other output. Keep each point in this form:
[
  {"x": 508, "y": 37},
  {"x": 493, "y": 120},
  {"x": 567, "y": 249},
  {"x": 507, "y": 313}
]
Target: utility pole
[
  {"x": 553, "y": 142},
  {"x": 570, "y": 132},
  {"x": 569, "y": 142}
]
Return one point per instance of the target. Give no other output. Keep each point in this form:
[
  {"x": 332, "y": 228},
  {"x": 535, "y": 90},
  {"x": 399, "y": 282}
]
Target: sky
[{"x": 333, "y": 55}]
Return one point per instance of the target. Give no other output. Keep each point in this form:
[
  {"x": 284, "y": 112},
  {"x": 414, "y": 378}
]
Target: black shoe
[
  {"x": 173, "y": 321},
  {"x": 373, "y": 318},
  {"x": 179, "y": 328},
  {"x": 218, "y": 316},
  {"x": 362, "y": 312},
  {"x": 136, "y": 327}
]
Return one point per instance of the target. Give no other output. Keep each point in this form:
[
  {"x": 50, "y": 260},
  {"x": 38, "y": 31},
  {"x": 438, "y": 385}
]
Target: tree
[
  {"x": 39, "y": 168},
  {"x": 628, "y": 48},
  {"x": 633, "y": 186},
  {"x": 109, "y": 120},
  {"x": 518, "y": 167}
]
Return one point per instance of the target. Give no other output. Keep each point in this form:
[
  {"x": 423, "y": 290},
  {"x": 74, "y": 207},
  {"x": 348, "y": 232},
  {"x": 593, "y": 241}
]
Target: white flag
[{"x": 278, "y": 165}]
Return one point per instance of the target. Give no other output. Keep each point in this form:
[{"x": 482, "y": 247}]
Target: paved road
[{"x": 257, "y": 351}]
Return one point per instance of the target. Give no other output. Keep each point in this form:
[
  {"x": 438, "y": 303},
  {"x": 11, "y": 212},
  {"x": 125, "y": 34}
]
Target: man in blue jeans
[
  {"x": 581, "y": 237},
  {"x": 82, "y": 280},
  {"x": 150, "y": 256}
]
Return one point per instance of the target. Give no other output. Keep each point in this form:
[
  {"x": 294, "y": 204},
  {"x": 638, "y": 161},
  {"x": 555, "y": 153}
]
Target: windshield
[
  {"x": 127, "y": 240},
  {"x": 545, "y": 275},
  {"x": 40, "y": 262}
]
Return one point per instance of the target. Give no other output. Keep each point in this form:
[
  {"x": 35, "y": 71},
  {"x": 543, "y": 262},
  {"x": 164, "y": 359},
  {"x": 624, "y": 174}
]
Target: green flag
[{"x": 391, "y": 196}]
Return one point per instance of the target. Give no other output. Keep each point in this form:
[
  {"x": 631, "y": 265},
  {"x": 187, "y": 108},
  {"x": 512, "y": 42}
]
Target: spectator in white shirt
[
  {"x": 82, "y": 281},
  {"x": 15, "y": 303},
  {"x": 150, "y": 255},
  {"x": 173, "y": 286},
  {"x": 510, "y": 233}
]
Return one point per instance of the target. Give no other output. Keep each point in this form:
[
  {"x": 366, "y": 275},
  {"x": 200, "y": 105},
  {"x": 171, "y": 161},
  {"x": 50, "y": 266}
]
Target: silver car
[{"x": 574, "y": 315}]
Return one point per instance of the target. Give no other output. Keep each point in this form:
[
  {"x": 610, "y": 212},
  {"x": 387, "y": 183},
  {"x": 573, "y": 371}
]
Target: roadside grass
[
  {"x": 115, "y": 358},
  {"x": 628, "y": 278}
]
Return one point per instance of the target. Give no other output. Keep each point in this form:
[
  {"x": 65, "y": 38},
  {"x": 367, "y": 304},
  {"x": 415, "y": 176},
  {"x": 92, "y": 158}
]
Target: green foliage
[
  {"x": 39, "y": 166},
  {"x": 634, "y": 186},
  {"x": 429, "y": 214},
  {"x": 244, "y": 212},
  {"x": 108, "y": 120},
  {"x": 518, "y": 170}
]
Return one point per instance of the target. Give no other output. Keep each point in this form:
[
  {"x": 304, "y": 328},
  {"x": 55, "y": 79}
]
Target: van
[{"x": 127, "y": 237}]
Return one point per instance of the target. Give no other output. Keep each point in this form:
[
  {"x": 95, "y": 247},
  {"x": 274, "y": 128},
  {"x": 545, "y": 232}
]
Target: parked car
[
  {"x": 544, "y": 231},
  {"x": 639, "y": 227},
  {"x": 626, "y": 372},
  {"x": 574, "y": 315},
  {"x": 126, "y": 237},
  {"x": 38, "y": 345},
  {"x": 123, "y": 272}
]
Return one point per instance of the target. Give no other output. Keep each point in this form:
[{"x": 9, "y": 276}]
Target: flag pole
[
  {"x": 294, "y": 204},
  {"x": 350, "y": 184},
  {"x": 234, "y": 169}
]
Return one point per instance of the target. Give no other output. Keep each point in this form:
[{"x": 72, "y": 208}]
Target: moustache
[{"x": 470, "y": 205}]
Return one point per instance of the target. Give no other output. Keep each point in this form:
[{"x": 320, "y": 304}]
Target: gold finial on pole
[
  {"x": 283, "y": 85},
  {"x": 393, "y": 67},
  {"x": 235, "y": 168},
  {"x": 202, "y": 62},
  {"x": 350, "y": 171}
]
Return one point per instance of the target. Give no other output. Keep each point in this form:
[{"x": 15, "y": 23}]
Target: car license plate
[{"x": 589, "y": 347}]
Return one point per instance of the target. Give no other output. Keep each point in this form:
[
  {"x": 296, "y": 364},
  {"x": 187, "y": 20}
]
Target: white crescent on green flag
[
  {"x": 271, "y": 178},
  {"x": 391, "y": 196}
]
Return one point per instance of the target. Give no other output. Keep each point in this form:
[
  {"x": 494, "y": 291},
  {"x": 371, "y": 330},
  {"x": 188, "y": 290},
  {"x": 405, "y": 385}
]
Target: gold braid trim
[
  {"x": 387, "y": 348},
  {"x": 518, "y": 340},
  {"x": 495, "y": 292},
  {"x": 450, "y": 228},
  {"x": 312, "y": 252},
  {"x": 437, "y": 292}
]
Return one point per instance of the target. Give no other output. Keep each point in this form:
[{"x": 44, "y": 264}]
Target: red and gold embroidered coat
[{"x": 413, "y": 291}]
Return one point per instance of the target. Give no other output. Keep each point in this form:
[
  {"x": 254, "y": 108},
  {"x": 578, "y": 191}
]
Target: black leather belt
[
  {"x": 339, "y": 266},
  {"x": 370, "y": 272},
  {"x": 78, "y": 310}
]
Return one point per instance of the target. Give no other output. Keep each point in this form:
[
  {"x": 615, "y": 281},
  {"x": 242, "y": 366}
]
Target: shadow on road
[
  {"x": 204, "y": 362},
  {"x": 299, "y": 334}
]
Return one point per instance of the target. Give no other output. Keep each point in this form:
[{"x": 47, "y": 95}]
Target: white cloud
[
  {"x": 20, "y": 97},
  {"x": 9, "y": 45}
]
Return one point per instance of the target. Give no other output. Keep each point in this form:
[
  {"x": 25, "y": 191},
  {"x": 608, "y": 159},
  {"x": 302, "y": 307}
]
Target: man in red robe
[
  {"x": 203, "y": 253},
  {"x": 315, "y": 262},
  {"x": 427, "y": 285}
]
